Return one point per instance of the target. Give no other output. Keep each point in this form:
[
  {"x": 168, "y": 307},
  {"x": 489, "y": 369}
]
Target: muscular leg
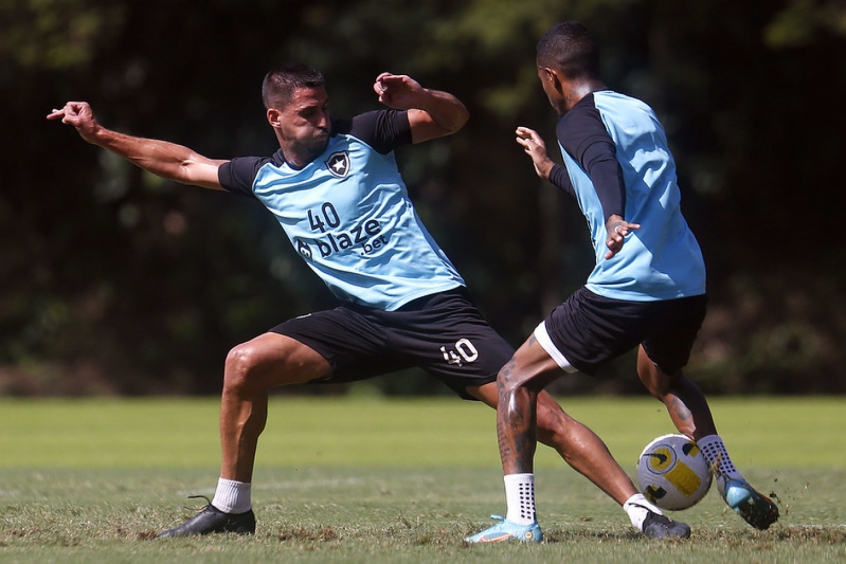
[
  {"x": 524, "y": 414},
  {"x": 251, "y": 370},
  {"x": 684, "y": 400},
  {"x": 580, "y": 447},
  {"x": 691, "y": 415}
]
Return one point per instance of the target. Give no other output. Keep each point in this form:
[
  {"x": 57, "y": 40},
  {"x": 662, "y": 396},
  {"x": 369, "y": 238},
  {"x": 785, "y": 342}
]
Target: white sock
[
  {"x": 232, "y": 496},
  {"x": 520, "y": 498},
  {"x": 637, "y": 508},
  {"x": 715, "y": 453}
]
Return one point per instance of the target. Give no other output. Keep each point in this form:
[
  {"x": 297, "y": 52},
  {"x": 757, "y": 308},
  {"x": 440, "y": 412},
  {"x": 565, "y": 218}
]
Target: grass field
[{"x": 369, "y": 480}]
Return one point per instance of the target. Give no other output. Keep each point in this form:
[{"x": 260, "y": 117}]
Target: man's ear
[
  {"x": 273, "y": 117},
  {"x": 551, "y": 75}
]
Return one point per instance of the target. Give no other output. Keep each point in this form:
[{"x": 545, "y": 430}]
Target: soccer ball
[{"x": 672, "y": 472}]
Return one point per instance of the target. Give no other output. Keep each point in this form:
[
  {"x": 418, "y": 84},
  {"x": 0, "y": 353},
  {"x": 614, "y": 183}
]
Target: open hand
[{"x": 536, "y": 149}]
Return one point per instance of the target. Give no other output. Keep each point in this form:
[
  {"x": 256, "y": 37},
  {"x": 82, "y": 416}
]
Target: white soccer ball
[{"x": 672, "y": 472}]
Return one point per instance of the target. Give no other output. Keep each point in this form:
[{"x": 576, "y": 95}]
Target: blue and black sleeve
[
  {"x": 583, "y": 135},
  {"x": 237, "y": 175}
]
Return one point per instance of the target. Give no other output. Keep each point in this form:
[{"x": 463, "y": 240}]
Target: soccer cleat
[
  {"x": 657, "y": 526},
  {"x": 756, "y": 509},
  {"x": 212, "y": 520},
  {"x": 506, "y": 530}
]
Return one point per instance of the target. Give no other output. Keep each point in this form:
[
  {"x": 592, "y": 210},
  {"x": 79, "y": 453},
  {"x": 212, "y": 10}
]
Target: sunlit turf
[
  {"x": 444, "y": 432},
  {"x": 371, "y": 480}
]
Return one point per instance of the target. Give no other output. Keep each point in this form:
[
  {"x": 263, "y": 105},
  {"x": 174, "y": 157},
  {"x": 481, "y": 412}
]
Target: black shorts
[
  {"x": 444, "y": 334},
  {"x": 589, "y": 330}
]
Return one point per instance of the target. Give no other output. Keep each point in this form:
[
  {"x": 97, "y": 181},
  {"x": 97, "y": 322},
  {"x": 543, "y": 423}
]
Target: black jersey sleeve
[
  {"x": 237, "y": 175},
  {"x": 559, "y": 177},
  {"x": 383, "y": 130},
  {"x": 584, "y": 137}
]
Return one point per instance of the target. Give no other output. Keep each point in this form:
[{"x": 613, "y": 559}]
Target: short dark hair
[
  {"x": 281, "y": 81},
  {"x": 570, "y": 48}
]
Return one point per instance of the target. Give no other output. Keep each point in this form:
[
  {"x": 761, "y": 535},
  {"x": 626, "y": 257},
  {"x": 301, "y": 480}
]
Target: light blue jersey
[
  {"x": 662, "y": 260},
  {"x": 348, "y": 214}
]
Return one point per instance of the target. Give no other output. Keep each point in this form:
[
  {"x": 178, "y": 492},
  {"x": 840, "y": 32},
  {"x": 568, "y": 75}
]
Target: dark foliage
[{"x": 117, "y": 282}]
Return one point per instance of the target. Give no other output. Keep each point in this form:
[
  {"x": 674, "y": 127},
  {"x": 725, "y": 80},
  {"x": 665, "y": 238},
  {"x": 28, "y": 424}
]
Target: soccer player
[
  {"x": 647, "y": 289},
  {"x": 335, "y": 189}
]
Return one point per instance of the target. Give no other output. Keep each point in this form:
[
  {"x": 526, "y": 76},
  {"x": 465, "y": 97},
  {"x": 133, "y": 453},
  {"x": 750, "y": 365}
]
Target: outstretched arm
[
  {"x": 168, "y": 160},
  {"x": 431, "y": 113}
]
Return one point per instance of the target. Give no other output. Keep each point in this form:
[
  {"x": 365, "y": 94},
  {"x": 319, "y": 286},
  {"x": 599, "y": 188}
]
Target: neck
[
  {"x": 575, "y": 91},
  {"x": 298, "y": 157},
  {"x": 296, "y": 160}
]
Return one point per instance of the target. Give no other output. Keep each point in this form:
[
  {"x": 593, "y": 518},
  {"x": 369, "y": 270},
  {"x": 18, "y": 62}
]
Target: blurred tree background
[{"x": 116, "y": 282}]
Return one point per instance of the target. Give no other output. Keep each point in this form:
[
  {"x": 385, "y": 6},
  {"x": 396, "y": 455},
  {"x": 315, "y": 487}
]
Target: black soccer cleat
[
  {"x": 212, "y": 520},
  {"x": 657, "y": 526}
]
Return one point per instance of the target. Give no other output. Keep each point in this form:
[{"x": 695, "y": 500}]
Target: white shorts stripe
[{"x": 546, "y": 343}]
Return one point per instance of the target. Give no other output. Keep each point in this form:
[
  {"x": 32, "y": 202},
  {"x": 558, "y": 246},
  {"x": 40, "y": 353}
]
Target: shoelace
[{"x": 199, "y": 496}]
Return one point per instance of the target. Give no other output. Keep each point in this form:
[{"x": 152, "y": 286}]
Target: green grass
[{"x": 370, "y": 480}]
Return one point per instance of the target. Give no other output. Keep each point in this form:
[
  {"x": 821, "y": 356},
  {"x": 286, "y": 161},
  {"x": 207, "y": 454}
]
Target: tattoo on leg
[
  {"x": 517, "y": 429},
  {"x": 506, "y": 373},
  {"x": 505, "y": 451},
  {"x": 678, "y": 409}
]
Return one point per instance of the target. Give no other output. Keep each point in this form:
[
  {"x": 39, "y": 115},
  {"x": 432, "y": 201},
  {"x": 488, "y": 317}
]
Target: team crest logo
[
  {"x": 338, "y": 164},
  {"x": 303, "y": 248}
]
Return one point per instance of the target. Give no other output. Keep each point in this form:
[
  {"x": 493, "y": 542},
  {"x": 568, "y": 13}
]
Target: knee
[
  {"x": 513, "y": 380},
  {"x": 241, "y": 362},
  {"x": 658, "y": 387},
  {"x": 505, "y": 385},
  {"x": 511, "y": 389},
  {"x": 517, "y": 403},
  {"x": 666, "y": 386},
  {"x": 654, "y": 379}
]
